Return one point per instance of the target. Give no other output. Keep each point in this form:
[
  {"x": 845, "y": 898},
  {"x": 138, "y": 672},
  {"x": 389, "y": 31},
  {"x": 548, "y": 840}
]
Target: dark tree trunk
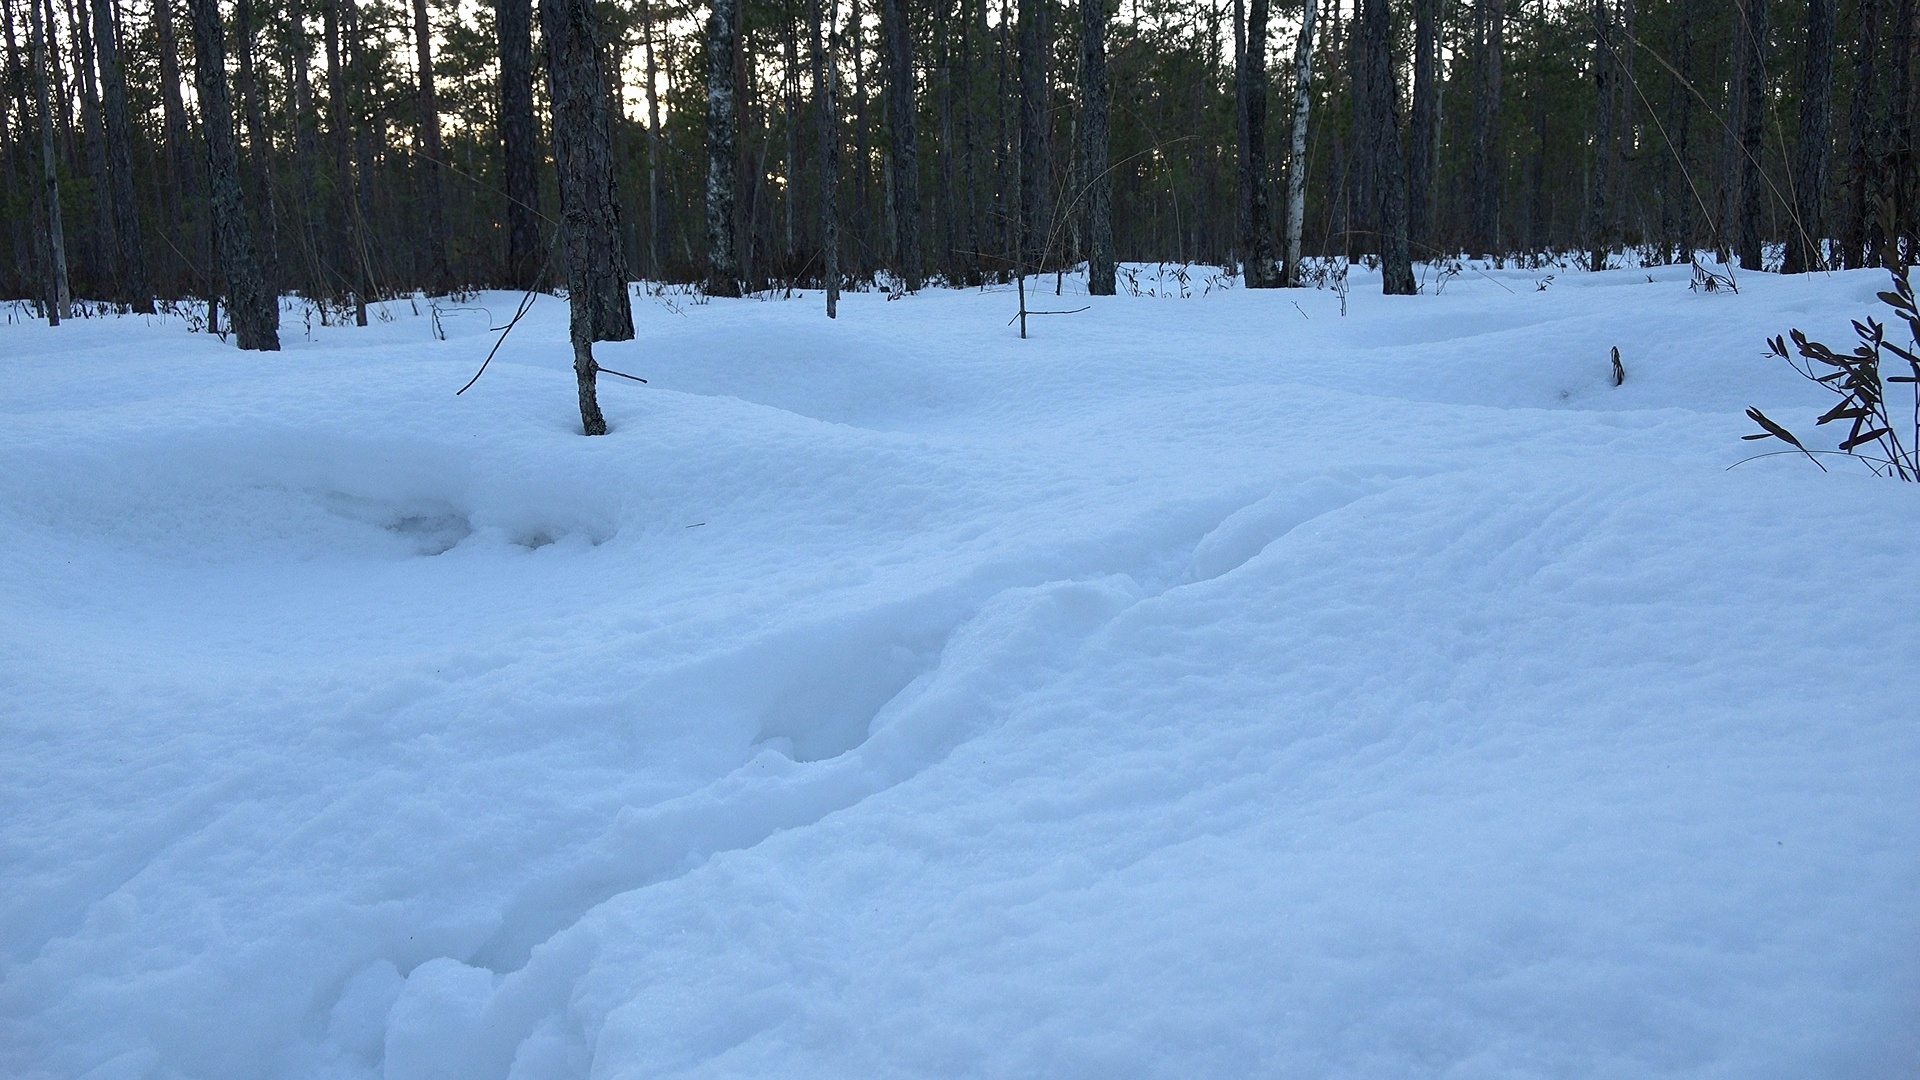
[
  {"x": 1752, "y": 44},
  {"x": 1031, "y": 33},
  {"x": 583, "y": 156},
  {"x": 1539, "y": 220},
  {"x": 1396, "y": 265},
  {"x": 1812, "y": 175},
  {"x": 59, "y": 297},
  {"x": 903, "y": 141},
  {"x": 513, "y": 21},
  {"x": 656, "y": 226},
  {"x": 1905, "y": 115},
  {"x": 1490, "y": 30},
  {"x": 1606, "y": 76},
  {"x": 431, "y": 195},
  {"x": 1261, "y": 268},
  {"x": 1362, "y": 161},
  {"x": 1855, "y": 229},
  {"x": 1424, "y": 139},
  {"x": 259, "y": 149},
  {"x": 305, "y": 146},
  {"x": 252, "y": 308},
  {"x": 348, "y": 185},
  {"x": 1094, "y": 145},
  {"x": 135, "y": 288},
  {"x": 104, "y": 248},
  {"x": 723, "y": 267},
  {"x": 1678, "y": 206},
  {"x": 824, "y": 76}
]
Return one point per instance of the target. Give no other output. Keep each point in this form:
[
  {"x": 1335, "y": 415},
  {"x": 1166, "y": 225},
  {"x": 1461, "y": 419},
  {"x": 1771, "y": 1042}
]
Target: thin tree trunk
[
  {"x": 1605, "y": 74},
  {"x": 1490, "y": 19},
  {"x": 583, "y": 155},
  {"x": 723, "y": 267},
  {"x": 655, "y": 227},
  {"x": 1424, "y": 139},
  {"x": 59, "y": 297},
  {"x": 1396, "y": 265},
  {"x": 1031, "y": 37},
  {"x": 1816, "y": 110},
  {"x": 1094, "y": 146},
  {"x": 135, "y": 288},
  {"x": 1679, "y": 204},
  {"x": 1752, "y": 52},
  {"x": 903, "y": 141},
  {"x": 824, "y": 76},
  {"x": 1297, "y": 153},
  {"x": 431, "y": 195},
  {"x": 1250, "y": 84},
  {"x": 305, "y": 146},
  {"x": 791, "y": 130},
  {"x": 252, "y": 308}
]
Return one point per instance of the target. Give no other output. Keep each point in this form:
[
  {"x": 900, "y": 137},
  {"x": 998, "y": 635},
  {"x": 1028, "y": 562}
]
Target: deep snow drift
[{"x": 1211, "y": 687}]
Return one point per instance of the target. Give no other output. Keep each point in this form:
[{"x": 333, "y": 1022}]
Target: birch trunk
[
  {"x": 723, "y": 267},
  {"x": 1297, "y": 151}
]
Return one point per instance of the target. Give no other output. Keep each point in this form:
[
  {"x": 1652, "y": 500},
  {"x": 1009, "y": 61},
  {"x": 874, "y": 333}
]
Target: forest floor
[{"x": 1218, "y": 686}]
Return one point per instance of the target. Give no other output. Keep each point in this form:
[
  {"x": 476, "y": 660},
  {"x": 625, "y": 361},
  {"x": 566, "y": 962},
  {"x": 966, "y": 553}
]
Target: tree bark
[
  {"x": 1259, "y": 266},
  {"x": 1031, "y": 45},
  {"x": 259, "y": 148},
  {"x": 824, "y": 77},
  {"x": 252, "y": 307},
  {"x": 431, "y": 195},
  {"x": 1396, "y": 265},
  {"x": 135, "y": 288},
  {"x": 305, "y": 146},
  {"x": 1813, "y": 174},
  {"x": 723, "y": 267},
  {"x": 513, "y": 23},
  {"x": 1297, "y": 152},
  {"x": 1424, "y": 139},
  {"x": 104, "y": 247},
  {"x": 1094, "y": 146},
  {"x": 583, "y": 155},
  {"x": 1752, "y": 43},
  {"x": 1605, "y": 74},
  {"x": 1855, "y": 231},
  {"x": 903, "y": 141},
  {"x": 59, "y": 296},
  {"x": 1490, "y": 22}
]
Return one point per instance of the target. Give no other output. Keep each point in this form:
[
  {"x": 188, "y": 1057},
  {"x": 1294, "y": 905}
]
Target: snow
[{"x": 1214, "y": 686}]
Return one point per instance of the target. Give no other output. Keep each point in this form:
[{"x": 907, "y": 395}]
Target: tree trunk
[
  {"x": 513, "y": 22},
  {"x": 259, "y": 148},
  {"x": 1678, "y": 207},
  {"x": 104, "y": 247},
  {"x": 1396, "y": 265},
  {"x": 903, "y": 141},
  {"x": 583, "y": 155},
  {"x": 1752, "y": 41},
  {"x": 253, "y": 309},
  {"x": 1094, "y": 146},
  {"x": 655, "y": 225},
  {"x": 824, "y": 76},
  {"x": 305, "y": 148},
  {"x": 431, "y": 194},
  {"x": 59, "y": 297},
  {"x": 1297, "y": 151},
  {"x": 1605, "y": 74},
  {"x": 1424, "y": 139},
  {"x": 1816, "y": 109},
  {"x": 1490, "y": 23},
  {"x": 723, "y": 267},
  {"x": 1261, "y": 270},
  {"x": 1031, "y": 35},
  {"x": 1854, "y": 231},
  {"x": 135, "y": 288}
]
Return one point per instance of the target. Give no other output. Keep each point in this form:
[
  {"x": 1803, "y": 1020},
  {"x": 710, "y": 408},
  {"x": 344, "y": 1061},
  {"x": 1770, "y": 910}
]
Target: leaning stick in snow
[{"x": 526, "y": 305}]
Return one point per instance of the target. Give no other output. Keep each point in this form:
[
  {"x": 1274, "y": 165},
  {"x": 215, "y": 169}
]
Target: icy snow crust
[{"x": 1204, "y": 688}]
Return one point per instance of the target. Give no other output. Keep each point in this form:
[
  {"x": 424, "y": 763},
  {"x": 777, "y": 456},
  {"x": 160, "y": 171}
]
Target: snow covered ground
[{"x": 1210, "y": 687}]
